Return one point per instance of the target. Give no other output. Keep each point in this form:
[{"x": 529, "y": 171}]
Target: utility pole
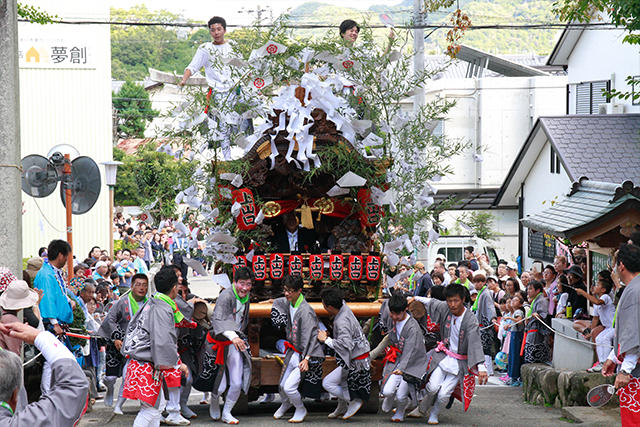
[
  {"x": 258, "y": 11},
  {"x": 10, "y": 169},
  {"x": 418, "y": 50}
]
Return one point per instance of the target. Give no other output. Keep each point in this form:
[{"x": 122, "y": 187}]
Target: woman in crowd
[{"x": 536, "y": 349}]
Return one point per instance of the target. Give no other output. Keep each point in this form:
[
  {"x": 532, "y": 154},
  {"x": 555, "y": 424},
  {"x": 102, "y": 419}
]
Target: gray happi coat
[
  {"x": 62, "y": 406},
  {"x": 536, "y": 349},
  {"x": 348, "y": 340},
  {"x": 151, "y": 336},
  {"x": 224, "y": 319},
  {"x": 114, "y": 327},
  {"x": 413, "y": 359},
  {"x": 485, "y": 313},
  {"x": 302, "y": 333},
  {"x": 469, "y": 344},
  {"x": 627, "y": 327}
]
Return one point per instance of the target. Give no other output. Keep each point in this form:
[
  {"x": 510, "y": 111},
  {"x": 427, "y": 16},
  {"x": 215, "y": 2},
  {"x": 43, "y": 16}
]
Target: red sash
[
  {"x": 362, "y": 356},
  {"x": 288, "y": 345},
  {"x": 630, "y": 403},
  {"x": 391, "y": 354},
  {"x": 524, "y": 340},
  {"x": 218, "y": 347},
  {"x": 209, "y": 92}
]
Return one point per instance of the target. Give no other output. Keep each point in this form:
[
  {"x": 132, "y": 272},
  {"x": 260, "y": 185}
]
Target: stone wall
[{"x": 543, "y": 385}]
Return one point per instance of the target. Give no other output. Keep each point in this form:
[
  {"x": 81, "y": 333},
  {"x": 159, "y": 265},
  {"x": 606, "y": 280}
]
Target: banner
[
  {"x": 276, "y": 266},
  {"x": 259, "y": 267},
  {"x": 370, "y": 214},
  {"x": 316, "y": 267},
  {"x": 336, "y": 264},
  {"x": 373, "y": 268},
  {"x": 295, "y": 264},
  {"x": 246, "y": 219},
  {"x": 355, "y": 267}
]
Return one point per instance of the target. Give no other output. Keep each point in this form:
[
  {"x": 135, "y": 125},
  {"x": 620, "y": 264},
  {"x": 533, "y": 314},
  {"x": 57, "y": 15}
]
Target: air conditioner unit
[{"x": 611, "y": 108}]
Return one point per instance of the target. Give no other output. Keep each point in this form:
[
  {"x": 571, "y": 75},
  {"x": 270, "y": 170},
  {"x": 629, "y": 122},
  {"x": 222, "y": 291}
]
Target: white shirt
[
  {"x": 208, "y": 57},
  {"x": 293, "y": 240},
  {"x": 400, "y": 325},
  {"x": 449, "y": 364},
  {"x": 292, "y": 311},
  {"x": 605, "y": 311}
]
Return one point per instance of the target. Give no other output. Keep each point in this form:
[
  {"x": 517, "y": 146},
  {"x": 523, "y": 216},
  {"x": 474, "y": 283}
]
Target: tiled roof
[
  {"x": 601, "y": 147},
  {"x": 587, "y": 202}
]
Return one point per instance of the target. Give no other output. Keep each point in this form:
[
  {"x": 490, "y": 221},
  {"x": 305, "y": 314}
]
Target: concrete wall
[
  {"x": 62, "y": 102},
  {"x": 601, "y": 55},
  {"x": 496, "y": 114},
  {"x": 541, "y": 188}
]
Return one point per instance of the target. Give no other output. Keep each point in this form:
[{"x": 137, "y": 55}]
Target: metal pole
[
  {"x": 10, "y": 169},
  {"x": 67, "y": 197},
  {"x": 418, "y": 51},
  {"x": 111, "y": 221}
]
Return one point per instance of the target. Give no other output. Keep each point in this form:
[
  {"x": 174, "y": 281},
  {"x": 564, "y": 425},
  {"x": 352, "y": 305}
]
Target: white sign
[{"x": 55, "y": 52}]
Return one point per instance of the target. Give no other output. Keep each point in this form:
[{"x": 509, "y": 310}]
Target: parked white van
[{"x": 452, "y": 247}]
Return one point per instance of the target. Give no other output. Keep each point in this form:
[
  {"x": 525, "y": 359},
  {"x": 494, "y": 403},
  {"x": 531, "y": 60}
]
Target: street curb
[{"x": 592, "y": 416}]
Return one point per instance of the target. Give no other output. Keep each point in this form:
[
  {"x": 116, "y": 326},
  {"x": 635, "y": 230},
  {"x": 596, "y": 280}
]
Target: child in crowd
[
  {"x": 516, "y": 334},
  {"x": 562, "y": 296},
  {"x": 603, "y": 312}
]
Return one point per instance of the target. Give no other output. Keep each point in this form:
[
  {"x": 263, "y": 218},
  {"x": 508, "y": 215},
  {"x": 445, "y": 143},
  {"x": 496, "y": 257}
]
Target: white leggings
[
  {"x": 290, "y": 382},
  {"x": 234, "y": 368},
  {"x": 443, "y": 383},
  {"x": 110, "y": 380},
  {"x": 396, "y": 386},
  {"x": 605, "y": 341},
  {"x": 336, "y": 384},
  {"x": 149, "y": 416}
]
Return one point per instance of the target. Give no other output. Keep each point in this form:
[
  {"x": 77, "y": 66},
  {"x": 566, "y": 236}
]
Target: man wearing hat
[
  {"x": 512, "y": 271},
  {"x": 575, "y": 276},
  {"x": 17, "y": 296},
  {"x": 33, "y": 266},
  {"x": 101, "y": 270}
]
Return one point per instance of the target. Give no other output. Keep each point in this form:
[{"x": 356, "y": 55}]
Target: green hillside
[{"x": 482, "y": 12}]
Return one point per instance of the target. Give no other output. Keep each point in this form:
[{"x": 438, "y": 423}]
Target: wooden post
[{"x": 67, "y": 197}]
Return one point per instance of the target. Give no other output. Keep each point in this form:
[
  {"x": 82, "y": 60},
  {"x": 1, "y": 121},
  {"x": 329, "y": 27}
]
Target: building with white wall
[
  {"x": 498, "y": 100},
  {"x": 597, "y": 59},
  {"x": 597, "y": 139},
  {"x": 65, "y": 98}
]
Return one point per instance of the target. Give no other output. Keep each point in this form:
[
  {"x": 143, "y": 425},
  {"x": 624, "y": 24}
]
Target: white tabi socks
[
  {"x": 226, "y": 412},
  {"x": 400, "y": 407},
  {"x": 214, "y": 407},
  {"x": 340, "y": 410},
  {"x": 354, "y": 406}
]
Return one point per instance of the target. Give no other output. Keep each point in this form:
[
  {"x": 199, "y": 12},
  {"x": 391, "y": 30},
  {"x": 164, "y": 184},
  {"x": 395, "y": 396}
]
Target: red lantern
[
  {"x": 259, "y": 267},
  {"x": 246, "y": 219},
  {"x": 276, "y": 266},
  {"x": 336, "y": 263},
  {"x": 355, "y": 267},
  {"x": 316, "y": 267},
  {"x": 295, "y": 264},
  {"x": 371, "y": 213},
  {"x": 241, "y": 261},
  {"x": 373, "y": 268}
]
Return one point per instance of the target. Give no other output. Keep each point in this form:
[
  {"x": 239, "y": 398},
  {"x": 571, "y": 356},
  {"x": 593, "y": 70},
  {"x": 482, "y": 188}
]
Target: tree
[
  {"x": 133, "y": 109},
  {"x": 35, "y": 14},
  {"x": 480, "y": 224},
  {"x": 136, "y": 48},
  {"x": 150, "y": 176},
  {"x": 623, "y": 13}
]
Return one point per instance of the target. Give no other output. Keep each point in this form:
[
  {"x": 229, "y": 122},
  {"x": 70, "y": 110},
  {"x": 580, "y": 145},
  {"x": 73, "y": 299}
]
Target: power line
[{"x": 544, "y": 26}]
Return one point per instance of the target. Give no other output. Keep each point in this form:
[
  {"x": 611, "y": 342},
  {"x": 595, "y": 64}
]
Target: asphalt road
[{"x": 492, "y": 406}]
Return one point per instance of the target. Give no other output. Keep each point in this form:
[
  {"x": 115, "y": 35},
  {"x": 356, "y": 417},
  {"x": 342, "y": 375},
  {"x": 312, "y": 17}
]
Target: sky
[{"x": 235, "y": 11}]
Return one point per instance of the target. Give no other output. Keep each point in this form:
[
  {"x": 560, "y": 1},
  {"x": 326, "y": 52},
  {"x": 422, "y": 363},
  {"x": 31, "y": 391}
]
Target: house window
[
  {"x": 589, "y": 96},
  {"x": 554, "y": 161}
]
